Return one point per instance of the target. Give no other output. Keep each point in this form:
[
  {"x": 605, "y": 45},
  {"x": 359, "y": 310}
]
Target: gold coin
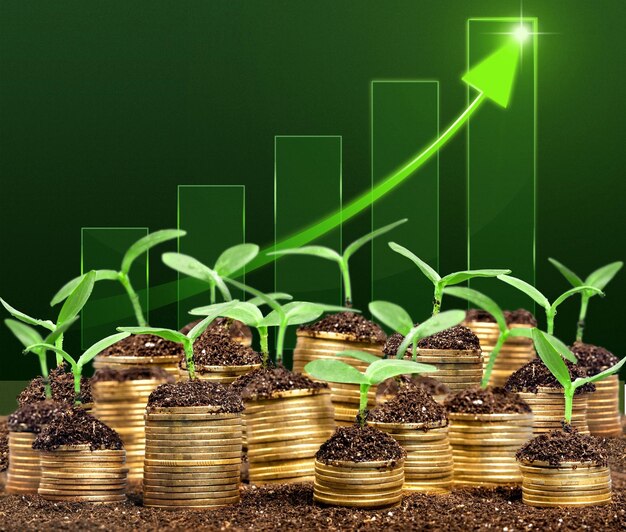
[
  {"x": 207, "y": 495},
  {"x": 84, "y": 498},
  {"x": 195, "y": 503}
]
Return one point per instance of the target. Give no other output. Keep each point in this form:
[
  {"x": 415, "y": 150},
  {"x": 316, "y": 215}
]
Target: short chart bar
[
  {"x": 405, "y": 117},
  {"x": 214, "y": 217},
  {"x": 501, "y": 167}
]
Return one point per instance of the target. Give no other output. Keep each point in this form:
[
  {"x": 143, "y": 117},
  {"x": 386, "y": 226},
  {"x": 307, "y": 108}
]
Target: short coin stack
[
  {"x": 603, "y": 415},
  {"x": 168, "y": 363},
  {"x": 24, "y": 464},
  {"x": 75, "y": 473},
  {"x": 484, "y": 447},
  {"x": 221, "y": 374},
  {"x": 457, "y": 369},
  {"x": 568, "y": 484},
  {"x": 548, "y": 406},
  {"x": 193, "y": 457}
]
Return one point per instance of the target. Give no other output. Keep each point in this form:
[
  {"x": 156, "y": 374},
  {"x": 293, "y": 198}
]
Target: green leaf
[
  {"x": 194, "y": 268},
  {"x": 234, "y": 258},
  {"x": 603, "y": 276},
  {"x": 166, "y": 334},
  {"x": 313, "y": 251},
  {"x": 217, "y": 310},
  {"x": 576, "y": 290},
  {"x": 24, "y": 333},
  {"x": 459, "y": 277},
  {"x": 433, "y": 325},
  {"x": 77, "y": 299},
  {"x": 272, "y": 303},
  {"x": 100, "y": 346},
  {"x": 25, "y": 318},
  {"x": 392, "y": 315},
  {"x": 525, "y": 332},
  {"x": 330, "y": 370},
  {"x": 431, "y": 274},
  {"x": 68, "y": 288},
  {"x": 49, "y": 347},
  {"x": 336, "y": 308},
  {"x": 243, "y": 311},
  {"x": 277, "y": 296},
  {"x": 359, "y": 355},
  {"x": 599, "y": 376},
  {"x": 563, "y": 350},
  {"x": 60, "y": 330},
  {"x": 384, "y": 369},
  {"x": 297, "y": 313},
  {"x": 528, "y": 289},
  {"x": 147, "y": 242},
  {"x": 571, "y": 277},
  {"x": 478, "y": 299},
  {"x": 360, "y": 242},
  {"x": 551, "y": 357}
]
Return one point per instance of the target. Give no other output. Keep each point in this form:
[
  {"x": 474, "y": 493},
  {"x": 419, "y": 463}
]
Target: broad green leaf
[
  {"x": 603, "y": 276},
  {"x": 60, "y": 330},
  {"x": 166, "y": 334},
  {"x": 600, "y": 376},
  {"x": 459, "y": 277},
  {"x": 384, "y": 369},
  {"x": 233, "y": 259},
  {"x": 24, "y": 333},
  {"x": 391, "y": 315},
  {"x": 571, "y": 277},
  {"x": 330, "y": 370},
  {"x": 360, "y": 242},
  {"x": 271, "y": 302},
  {"x": 243, "y": 311},
  {"x": 313, "y": 251},
  {"x": 359, "y": 355},
  {"x": 528, "y": 289},
  {"x": 68, "y": 288},
  {"x": 431, "y": 274},
  {"x": 563, "y": 350},
  {"x": 25, "y": 318},
  {"x": 478, "y": 299},
  {"x": 218, "y": 310},
  {"x": 36, "y": 348},
  {"x": 576, "y": 290},
  {"x": 277, "y": 296},
  {"x": 433, "y": 325},
  {"x": 144, "y": 244},
  {"x": 77, "y": 299},
  {"x": 551, "y": 357},
  {"x": 100, "y": 346},
  {"x": 273, "y": 319},
  {"x": 299, "y": 312}
]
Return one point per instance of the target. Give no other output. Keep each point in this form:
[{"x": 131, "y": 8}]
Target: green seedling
[
  {"x": 598, "y": 279},
  {"x": 143, "y": 245},
  {"x": 229, "y": 262},
  {"x": 439, "y": 282},
  {"x": 542, "y": 300},
  {"x": 78, "y": 365},
  {"x": 550, "y": 354},
  {"x": 378, "y": 370},
  {"x": 341, "y": 259}
]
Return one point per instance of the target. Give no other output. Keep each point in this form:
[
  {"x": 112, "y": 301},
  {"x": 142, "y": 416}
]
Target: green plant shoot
[
  {"x": 433, "y": 325},
  {"x": 598, "y": 279},
  {"x": 143, "y": 245},
  {"x": 439, "y": 282},
  {"x": 379, "y": 370},
  {"x": 542, "y": 300},
  {"x": 78, "y": 365},
  {"x": 341, "y": 259}
]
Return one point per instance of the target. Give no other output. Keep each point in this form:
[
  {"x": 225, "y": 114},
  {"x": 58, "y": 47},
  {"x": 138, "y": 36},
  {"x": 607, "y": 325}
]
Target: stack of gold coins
[
  {"x": 457, "y": 369},
  {"x": 168, "y": 363},
  {"x": 193, "y": 457},
  {"x": 484, "y": 447},
  {"x": 75, "y": 473},
  {"x": 548, "y": 406},
  {"x": 222, "y": 374},
  {"x": 324, "y": 345},
  {"x": 428, "y": 465},
  {"x": 284, "y": 432},
  {"x": 603, "y": 415},
  {"x": 567, "y": 484},
  {"x": 359, "y": 484},
  {"x": 24, "y": 470}
]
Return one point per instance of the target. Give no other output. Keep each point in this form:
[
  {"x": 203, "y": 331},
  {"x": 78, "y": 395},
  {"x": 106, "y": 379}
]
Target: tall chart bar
[
  {"x": 405, "y": 117},
  {"x": 501, "y": 167}
]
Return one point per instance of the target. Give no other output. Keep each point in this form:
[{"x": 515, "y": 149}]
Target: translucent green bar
[
  {"x": 405, "y": 116},
  {"x": 214, "y": 218}
]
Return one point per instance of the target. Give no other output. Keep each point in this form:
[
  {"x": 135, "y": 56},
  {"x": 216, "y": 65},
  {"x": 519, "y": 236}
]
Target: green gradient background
[{"x": 105, "y": 107}]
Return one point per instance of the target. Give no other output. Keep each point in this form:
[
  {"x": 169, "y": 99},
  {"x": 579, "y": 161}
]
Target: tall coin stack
[
  {"x": 457, "y": 369},
  {"x": 603, "y": 416},
  {"x": 548, "y": 406},
  {"x": 24, "y": 470}
]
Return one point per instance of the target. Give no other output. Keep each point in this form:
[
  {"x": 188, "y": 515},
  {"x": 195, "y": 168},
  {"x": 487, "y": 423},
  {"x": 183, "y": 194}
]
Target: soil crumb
[
  {"x": 197, "y": 393},
  {"x": 261, "y": 383},
  {"x": 143, "y": 345},
  {"x": 489, "y": 401},
  {"x": 33, "y": 416},
  {"x": 535, "y": 375},
  {"x": 61, "y": 386},
  {"x": 459, "y": 338},
  {"x": 349, "y": 323},
  {"x": 594, "y": 358},
  {"x": 412, "y": 404},
  {"x": 359, "y": 444},
  {"x": 132, "y": 374}
]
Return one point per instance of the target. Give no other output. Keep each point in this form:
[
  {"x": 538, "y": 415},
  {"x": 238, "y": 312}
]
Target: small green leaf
[
  {"x": 576, "y": 290},
  {"x": 384, "y": 369},
  {"x": 100, "y": 346},
  {"x": 433, "y": 325},
  {"x": 218, "y": 310},
  {"x": 360, "y": 242},
  {"x": 599, "y": 376},
  {"x": 571, "y": 277},
  {"x": 359, "y": 355},
  {"x": 330, "y": 370},
  {"x": 551, "y": 357},
  {"x": 313, "y": 251},
  {"x": 277, "y": 296},
  {"x": 68, "y": 288},
  {"x": 60, "y": 330},
  {"x": 77, "y": 299},
  {"x": 528, "y": 289},
  {"x": 147, "y": 242},
  {"x": 478, "y": 299},
  {"x": 603, "y": 276},
  {"x": 24, "y": 333},
  {"x": 459, "y": 277},
  {"x": 194, "y": 268},
  {"x": 431, "y": 274},
  {"x": 234, "y": 258},
  {"x": 243, "y": 311},
  {"x": 336, "y": 308},
  {"x": 166, "y": 334},
  {"x": 36, "y": 348},
  {"x": 25, "y": 318},
  {"x": 392, "y": 315}
]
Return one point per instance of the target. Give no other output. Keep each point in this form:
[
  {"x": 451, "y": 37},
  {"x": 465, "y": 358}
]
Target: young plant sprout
[
  {"x": 439, "y": 282},
  {"x": 550, "y": 354},
  {"x": 132, "y": 253},
  {"x": 598, "y": 279},
  {"x": 341, "y": 259},
  {"x": 78, "y": 365},
  {"x": 229, "y": 262},
  {"x": 378, "y": 370},
  {"x": 542, "y": 300}
]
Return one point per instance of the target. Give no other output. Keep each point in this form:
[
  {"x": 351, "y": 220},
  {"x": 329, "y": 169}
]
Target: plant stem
[
  {"x": 437, "y": 298},
  {"x": 581, "y": 317},
  {"x": 347, "y": 286},
  {"x": 134, "y": 299},
  {"x": 550, "y": 320},
  {"x": 280, "y": 341},
  {"x": 77, "y": 370},
  {"x": 415, "y": 350},
  {"x": 569, "y": 403},
  {"x": 44, "y": 374},
  {"x": 191, "y": 367},
  {"x": 492, "y": 357},
  {"x": 59, "y": 343},
  {"x": 212, "y": 293},
  {"x": 364, "y": 389},
  {"x": 265, "y": 352}
]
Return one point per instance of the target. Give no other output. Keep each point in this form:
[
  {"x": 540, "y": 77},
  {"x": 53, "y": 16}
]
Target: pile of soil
[
  {"x": 61, "y": 385},
  {"x": 132, "y": 374},
  {"x": 74, "y": 426},
  {"x": 479, "y": 315},
  {"x": 392, "y": 345},
  {"x": 197, "y": 393},
  {"x": 566, "y": 445},
  {"x": 535, "y": 374},
  {"x": 235, "y": 328},
  {"x": 4, "y": 445},
  {"x": 459, "y": 338},
  {"x": 349, "y": 323},
  {"x": 410, "y": 382},
  {"x": 616, "y": 453},
  {"x": 594, "y": 358},
  {"x": 262, "y": 383},
  {"x": 143, "y": 345},
  {"x": 359, "y": 444},
  {"x": 412, "y": 404},
  {"x": 520, "y": 316},
  {"x": 217, "y": 348},
  {"x": 489, "y": 401},
  {"x": 33, "y": 416}
]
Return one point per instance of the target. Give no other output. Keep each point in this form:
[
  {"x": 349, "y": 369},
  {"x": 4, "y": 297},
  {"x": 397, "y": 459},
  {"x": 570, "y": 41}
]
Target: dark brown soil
[
  {"x": 412, "y": 404},
  {"x": 4, "y": 445},
  {"x": 480, "y": 315},
  {"x": 535, "y": 374},
  {"x": 390, "y": 387},
  {"x": 489, "y": 401},
  {"x": 263, "y": 382},
  {"x": 520, "y": 317},
  {"x": 593, "y": 357},
  {"x": 74, "y": 426},
  {"x": 566, "y": 445},
  {"x": 32, "y": 417},
  {"x": 392, "y": 345},
  {"x": 460, "y": 338},
  {"x": 217, "y": 348},
  {"x": 349, "y": 323},
  {"x": 616, "y": 451},
  {"x": 236, "y": 328},
  {"x": 359, "y": 444},
  {"x": 143, "y": 345},
  {"x": 197, "y": 393},
  {"x": 132, "y": 374},
  {"x": 61, "y": 385}
]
